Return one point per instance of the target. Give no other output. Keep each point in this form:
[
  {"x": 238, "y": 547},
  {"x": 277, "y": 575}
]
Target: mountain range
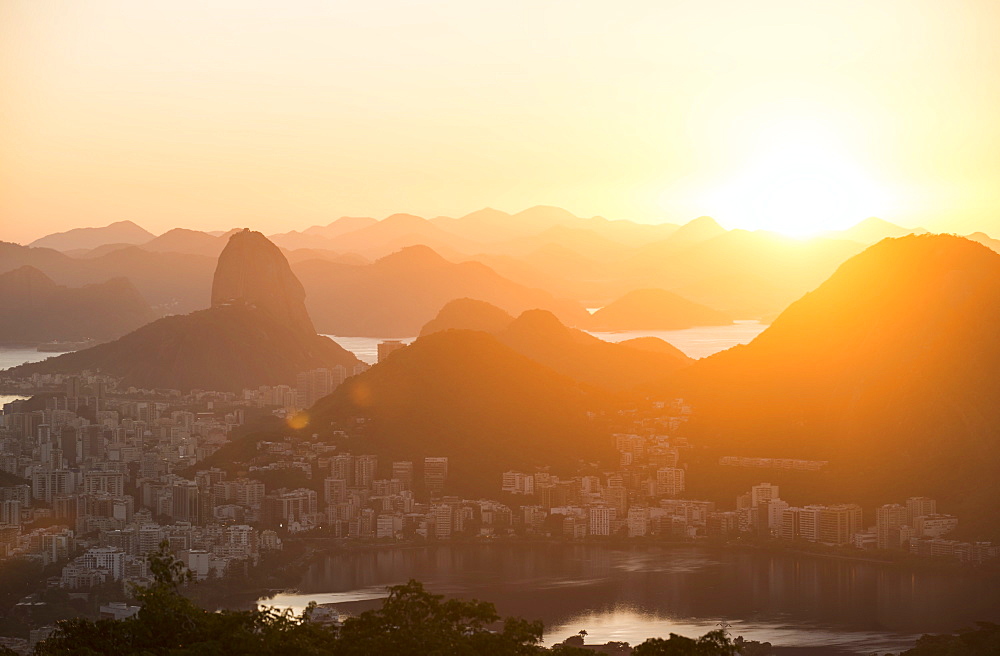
[
  {"x": 36, "y": 309},
  {"x": 256, "y": 332}
]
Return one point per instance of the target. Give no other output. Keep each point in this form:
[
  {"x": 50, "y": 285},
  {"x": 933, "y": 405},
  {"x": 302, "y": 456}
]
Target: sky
[{"x": 796, "y": 116}]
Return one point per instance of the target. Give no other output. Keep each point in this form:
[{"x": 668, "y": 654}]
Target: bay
[
  {"x": 696, "y": 342},
  {"x": 632, "y": 593}
]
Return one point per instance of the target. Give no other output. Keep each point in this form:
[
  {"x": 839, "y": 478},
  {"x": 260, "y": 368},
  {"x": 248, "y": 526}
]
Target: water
[
  {"x": 697, "y": 342},
  {"x": 633, "y": 593},
  {"x": 694, "y": 342},
  {"x": 365, "y": 348},
  {"x": 12, "y": 357}
]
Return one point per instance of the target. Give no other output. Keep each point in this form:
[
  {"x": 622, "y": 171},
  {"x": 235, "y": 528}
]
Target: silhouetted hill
[
  {"x": 655, "y": 309},
  {"x": 182, "y": 240},
  {"x": 398, "y": 231},
  {"x": 540, "y": 336},
  {"x": 888, "y": 370},
  {"x": 986, "y": 240},
  {"x": 399, "y": 293},
  {"x": 696, "y": 231},
  {"x": 170, "y": 282},
  {"x": 464, "y": 395},
  {"x": 468, "y": 314},
  {"x": 872, "y": 230},
  {"x": 256, "y": 332},
  {"x": 121, "y": 232},
  {"x": 35, "y": 309}
]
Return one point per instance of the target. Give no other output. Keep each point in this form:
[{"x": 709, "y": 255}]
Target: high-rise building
[
  {"x": 364, "y": 470},
  {"x": 839, "y": 523},
  {"x": 762, "y": 492},
  {"x": 918, "y": 507},
  {"x": 600, "y": 520},
  {"x": 184, "y": 501},
  {"x": 889, "y": 519},
  {"x": 342, "y": 466},
  {"x": 402, "y": 470},
  {"x": 435, "y": 474},
  {"x": 334, "y": 490},
  {"x": 670, "y": 481}
]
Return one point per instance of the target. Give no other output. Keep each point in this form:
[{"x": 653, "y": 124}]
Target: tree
[
  {"x": 170, "y": 624},
  {"x": 713, "y": 643},
  {"x": 981, "y": 641},
  {"x": 414, "y": 622}
]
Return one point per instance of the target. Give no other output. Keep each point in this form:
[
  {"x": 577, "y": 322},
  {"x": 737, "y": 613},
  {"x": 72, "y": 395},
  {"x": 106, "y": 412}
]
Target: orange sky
[{"x": 214, "y": 114}]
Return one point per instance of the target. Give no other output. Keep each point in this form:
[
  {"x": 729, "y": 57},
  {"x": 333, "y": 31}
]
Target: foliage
[
  {"x": 411, "y": 622},
  {"x": 983, "y": 641},
  {"x": 713, "y": 643},
  {"x": 415, "y": 622},
  {"x": 170, "y": 624}
]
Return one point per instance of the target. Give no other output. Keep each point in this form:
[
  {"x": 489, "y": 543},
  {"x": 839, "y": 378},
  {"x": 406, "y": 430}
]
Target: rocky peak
[{"x": 253, "y": 271}]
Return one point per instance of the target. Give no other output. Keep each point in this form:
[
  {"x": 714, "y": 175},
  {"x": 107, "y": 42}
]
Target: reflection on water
[
  {"x": 365, "y": 348},
  {"x": 698, "y": 342},
  {"x": 694, "y": 342},
  {"x": 633, "y": 593},
  {"x": 12, "y": 357}
]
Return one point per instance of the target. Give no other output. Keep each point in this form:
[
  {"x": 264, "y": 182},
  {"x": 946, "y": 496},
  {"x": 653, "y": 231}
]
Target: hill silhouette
[
  {"x": 540, "y": 336},
  {"x": 655, "y": 309},
  {"x": 399, "y": 293},
  {"x": 465, "y": 395},
  {"x": 468, "y": 314},
  {"x": 887, "y": 370},
  {"x": 36, "y": 309},
  {"x": 256, "y": 332},
  {"x": 120, "y": 232}
]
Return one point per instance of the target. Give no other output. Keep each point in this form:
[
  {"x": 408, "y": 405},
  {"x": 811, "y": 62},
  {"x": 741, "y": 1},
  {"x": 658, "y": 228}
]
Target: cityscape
[{"x": 665, "y": 328}]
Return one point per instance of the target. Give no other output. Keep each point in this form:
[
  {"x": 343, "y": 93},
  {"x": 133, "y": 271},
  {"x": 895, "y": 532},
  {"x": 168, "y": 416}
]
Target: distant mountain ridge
[
  {"x": 257, "y": 332},
  {"x": 539, "y": 335},
  {"x": 36, "y": 309},
  {"x": 120, "y": 232},
  {"x": 399, "y": 293}
]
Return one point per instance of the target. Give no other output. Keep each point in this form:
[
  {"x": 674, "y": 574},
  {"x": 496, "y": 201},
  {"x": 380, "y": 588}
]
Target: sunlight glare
[{"x": 800, "y": 182}]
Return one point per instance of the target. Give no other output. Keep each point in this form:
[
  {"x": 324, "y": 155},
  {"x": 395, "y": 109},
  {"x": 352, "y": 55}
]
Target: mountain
[
  {"x": 985, "y": 240},
  {"x": 257, "y": 332},
  {"x": 464, "y": 395},
  {"x": 468, "y": 314},
  {"x": 887, "y": 370},
  {"x": 399, "y": 293},
  {"x": 393, "y": 233},
  {"x": 872, "y": 230},
  {"x": 655, "y": 309},
  {"x": 121, "y": 232},
  {"x": 170, "y": 282},
  {"x": 252, "y": 271},
  {"x": 36, "y": 309},
  {"x": 321, "y": 236},
  {"x": 182, "y": 240},
  {"x": 539, "y": 335},
  {"x": 695, "y": 231}
]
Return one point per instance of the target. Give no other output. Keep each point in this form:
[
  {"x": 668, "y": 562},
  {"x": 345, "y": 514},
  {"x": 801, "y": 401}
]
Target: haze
[{"x": 788, "y": 116}]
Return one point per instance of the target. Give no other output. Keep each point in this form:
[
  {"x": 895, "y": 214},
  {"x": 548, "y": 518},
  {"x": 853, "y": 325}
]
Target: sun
[{"x": 799, "y": 181}]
